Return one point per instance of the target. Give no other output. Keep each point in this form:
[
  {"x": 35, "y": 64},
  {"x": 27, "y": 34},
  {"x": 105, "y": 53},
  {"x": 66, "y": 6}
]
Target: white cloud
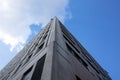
[{"x": 17, "y": 15}]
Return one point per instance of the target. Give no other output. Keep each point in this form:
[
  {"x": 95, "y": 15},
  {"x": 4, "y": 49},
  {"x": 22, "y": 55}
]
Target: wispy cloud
[{"x": 17, "y": 15}]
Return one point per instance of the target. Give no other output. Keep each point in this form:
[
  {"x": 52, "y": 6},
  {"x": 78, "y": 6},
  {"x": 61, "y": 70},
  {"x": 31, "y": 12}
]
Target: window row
[
  {"x": 70, "y": 49},
  {"x": 81, "y": 60},
  {"x": 35, "y": 74}
]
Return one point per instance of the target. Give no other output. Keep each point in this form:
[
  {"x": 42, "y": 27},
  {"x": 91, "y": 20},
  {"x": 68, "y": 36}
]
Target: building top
[{"x": 54, "y": 32}]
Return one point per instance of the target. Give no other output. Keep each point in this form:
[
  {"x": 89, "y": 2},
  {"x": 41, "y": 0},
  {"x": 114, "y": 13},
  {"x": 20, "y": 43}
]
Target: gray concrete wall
[{"x": 66, "y": 58}]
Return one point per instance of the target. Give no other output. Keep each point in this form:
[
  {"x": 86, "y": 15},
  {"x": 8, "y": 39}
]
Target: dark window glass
[
  {"x": 73, "y": 45},
  {"x": 77, "y": 78},
  {"x": 27, "y": 74},
  {"x": 44, "y": 37},
  {"x": 70, "y": 41},
  {"x": 40, "y": 47},
  {"x": 38, "y": 69},
  {"x": 94, "y": 67},
  {"x": 26, "y": 59},
  {"x": 29, "y": 58},
  {"x": 70, "y": 49},
  {"x": 77, "y": 56}
]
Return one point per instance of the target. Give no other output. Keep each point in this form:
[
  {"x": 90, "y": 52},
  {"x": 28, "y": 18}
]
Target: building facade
[{"x": 54, "y": 54}]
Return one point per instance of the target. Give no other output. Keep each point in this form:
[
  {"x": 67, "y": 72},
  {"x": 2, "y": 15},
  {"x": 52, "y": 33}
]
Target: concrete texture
[{"x": 54, "y": 54}]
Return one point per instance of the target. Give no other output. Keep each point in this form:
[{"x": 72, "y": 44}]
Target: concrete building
[{"x": 54, "y": 54}]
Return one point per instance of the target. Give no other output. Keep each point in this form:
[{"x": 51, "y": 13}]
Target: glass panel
[
  {"x": 27, "y": 75},
  {"x": 38, "y": 69}
]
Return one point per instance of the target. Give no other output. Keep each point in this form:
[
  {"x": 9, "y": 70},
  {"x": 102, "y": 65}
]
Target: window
[
  {"x": 27, "y": 74},
  {"x": 44, "y": 37},
  {"x": 67, "y": 34},
  {"x": 65, "y": 31},
  {"x": 84, "y": 63},
  {"x": 40, "y": 47},
  {"x": 29, "y": 58},
  {"x": 74, "y": 47},
  {"x": 70, "y": 49},
  {"x": 72, "y": 44},
  {"x": 26, "y": 59},
  {"x": 38, "y": 69},
  {"x": 86, "y": 56},
  {"x": 70, "y": 41},
  {"x": 94, "y": 67},
  {"x": 77, "y": 78},
  {"x": 16, "y": 69},
  {"x": 77, "y": 56},
  {"x": 47, "y": 31}
]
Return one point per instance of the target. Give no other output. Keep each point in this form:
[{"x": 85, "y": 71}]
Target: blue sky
[{"x": 95, "y": 23}]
